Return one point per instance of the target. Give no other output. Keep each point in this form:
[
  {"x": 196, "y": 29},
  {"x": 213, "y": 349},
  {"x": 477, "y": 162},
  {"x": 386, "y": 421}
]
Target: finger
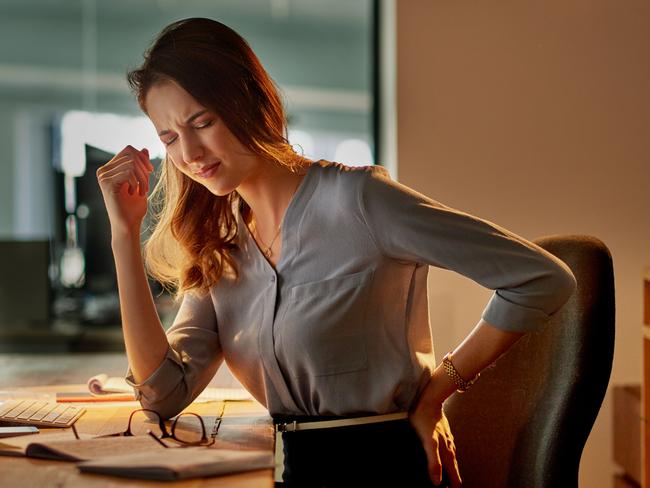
[
  {"x": 143, "y": 158},
  {"x": 143, "y": 178},
  {"x": 114, "y": 179},
  {"x": 124, "y": 165},
  {"x": 116, "y": 161},
  {"x": 147, "y": 167},
  {"x": 147, "y": 158},
  {"x": 117, "y": 181},
  {"x": 133, "y": 166},
  {"x": 131, "y": 151},
  {"x": 451, "y": 467},
  {"x": 123, "y": 173},
  {"x": 434, "y": 463},
  {"x": 133, "y": 184}
]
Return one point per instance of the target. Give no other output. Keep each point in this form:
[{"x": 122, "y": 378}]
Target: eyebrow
[{"x": 189, "y": 119}]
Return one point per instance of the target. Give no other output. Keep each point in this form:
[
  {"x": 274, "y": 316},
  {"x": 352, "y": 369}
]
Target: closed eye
[{"x": 198, "y": 126}]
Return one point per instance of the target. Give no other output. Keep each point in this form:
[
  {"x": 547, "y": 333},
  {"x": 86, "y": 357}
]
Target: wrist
[
  {"x": 124, "y": 234},
  {"x": 437, "y": 390},
  {"x": 461, "y": 383}
]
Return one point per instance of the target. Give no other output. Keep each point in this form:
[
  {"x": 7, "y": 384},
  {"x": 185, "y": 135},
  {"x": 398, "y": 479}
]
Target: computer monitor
[
  {"x": 93, "y": 226},
  {"x": 94, "y": 229},
  {"x": 93, "y": 299},
  {"x": 25, "y": 291}
]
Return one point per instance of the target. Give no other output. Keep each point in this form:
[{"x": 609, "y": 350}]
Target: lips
[{"x": 207, "y": 170}]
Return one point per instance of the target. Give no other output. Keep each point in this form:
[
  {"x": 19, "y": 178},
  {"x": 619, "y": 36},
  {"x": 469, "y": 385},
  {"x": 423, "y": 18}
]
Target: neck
[{"x": 268, "y": 193}]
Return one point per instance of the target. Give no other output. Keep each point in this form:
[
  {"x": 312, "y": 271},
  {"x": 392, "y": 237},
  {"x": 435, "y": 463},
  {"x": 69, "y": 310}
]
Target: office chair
[{"x": 525, "y": 422}]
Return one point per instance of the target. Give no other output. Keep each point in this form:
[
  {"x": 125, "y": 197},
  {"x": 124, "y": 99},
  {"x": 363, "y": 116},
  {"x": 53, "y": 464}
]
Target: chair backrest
[{"x": 525, "y": 422}]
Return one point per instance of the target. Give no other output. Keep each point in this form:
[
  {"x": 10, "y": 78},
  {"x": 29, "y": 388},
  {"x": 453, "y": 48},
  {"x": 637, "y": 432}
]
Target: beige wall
[{"x": 536, "y": 116}]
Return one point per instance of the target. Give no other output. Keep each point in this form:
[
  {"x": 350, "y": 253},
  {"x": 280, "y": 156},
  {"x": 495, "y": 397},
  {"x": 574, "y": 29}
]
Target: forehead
[{"x": 169, "y": 103}]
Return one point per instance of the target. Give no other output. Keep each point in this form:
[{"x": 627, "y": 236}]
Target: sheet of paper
[{"x": 103, "y": 384}]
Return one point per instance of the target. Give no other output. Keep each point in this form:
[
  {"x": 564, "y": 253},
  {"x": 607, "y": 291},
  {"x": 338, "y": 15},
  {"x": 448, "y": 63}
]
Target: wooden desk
[
  {"x": 246, "y": 425},
  {"x": 645, "y": 392}
]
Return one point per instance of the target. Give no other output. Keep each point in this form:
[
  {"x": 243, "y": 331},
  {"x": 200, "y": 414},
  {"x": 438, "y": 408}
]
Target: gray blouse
[{"x": 341, "y": 326}]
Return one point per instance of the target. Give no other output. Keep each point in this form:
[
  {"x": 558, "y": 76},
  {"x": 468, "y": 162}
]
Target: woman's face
[{"x": 197, "y": 141}]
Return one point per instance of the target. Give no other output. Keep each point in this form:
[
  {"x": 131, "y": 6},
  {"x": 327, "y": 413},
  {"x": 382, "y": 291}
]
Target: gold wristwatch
[{"x": 453, "y": 373}]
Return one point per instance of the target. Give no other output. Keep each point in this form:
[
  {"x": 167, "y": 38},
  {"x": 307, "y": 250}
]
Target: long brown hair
[{"x": 194, "y": 231}]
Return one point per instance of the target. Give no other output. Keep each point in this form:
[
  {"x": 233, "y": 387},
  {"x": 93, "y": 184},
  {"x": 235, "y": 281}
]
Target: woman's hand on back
[
  {"x": 124, "y": 182},
  {"x": 433, "y": 428}
]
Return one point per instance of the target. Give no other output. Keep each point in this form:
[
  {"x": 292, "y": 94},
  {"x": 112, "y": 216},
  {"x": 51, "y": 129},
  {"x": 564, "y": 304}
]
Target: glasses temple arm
[{"x": 159, "y": 441}]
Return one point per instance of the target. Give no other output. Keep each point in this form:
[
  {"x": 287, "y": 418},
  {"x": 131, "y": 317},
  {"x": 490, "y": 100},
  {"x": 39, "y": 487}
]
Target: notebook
[
  {"x": 140, "y": 457},
  {"x": 180, "y": 463},
  {"x": 63, "y": 446}
]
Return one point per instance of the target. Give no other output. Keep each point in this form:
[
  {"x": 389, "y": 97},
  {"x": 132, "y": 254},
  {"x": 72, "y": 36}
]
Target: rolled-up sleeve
[
  {"x": 530, "y": 284},
  {"x": 193, "y": 356}
]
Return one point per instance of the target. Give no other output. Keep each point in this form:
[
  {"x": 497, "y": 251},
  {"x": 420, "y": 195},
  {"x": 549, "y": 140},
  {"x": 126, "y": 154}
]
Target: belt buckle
[{"x": 288, "y": 426}]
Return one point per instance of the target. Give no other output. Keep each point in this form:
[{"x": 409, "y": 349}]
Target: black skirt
[{"x": 386, "y": 453}]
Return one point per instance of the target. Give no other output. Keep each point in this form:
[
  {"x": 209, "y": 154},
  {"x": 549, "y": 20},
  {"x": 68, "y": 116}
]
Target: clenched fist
[{"x": 124, "y": 182}]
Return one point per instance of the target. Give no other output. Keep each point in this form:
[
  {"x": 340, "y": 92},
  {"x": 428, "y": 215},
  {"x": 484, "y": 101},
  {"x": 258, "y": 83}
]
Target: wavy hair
[{"x": 194, "y": 231}]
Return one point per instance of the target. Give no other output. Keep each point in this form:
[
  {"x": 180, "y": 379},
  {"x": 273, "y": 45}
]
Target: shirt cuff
[
  {"x": 512, "y": 317},
  {"x": 160, "y": 384}
]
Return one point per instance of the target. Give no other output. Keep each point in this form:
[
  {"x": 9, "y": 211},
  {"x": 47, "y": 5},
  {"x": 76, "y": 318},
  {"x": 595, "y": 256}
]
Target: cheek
[
  {"x": 183, "y": 169},
  {"x": 173, "y": 158},
  {"x": 176, "y": 159},
  {"x": 224, "y": 140}
]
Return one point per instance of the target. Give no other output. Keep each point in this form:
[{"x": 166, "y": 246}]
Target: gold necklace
[{"x": 268, "y": 252}]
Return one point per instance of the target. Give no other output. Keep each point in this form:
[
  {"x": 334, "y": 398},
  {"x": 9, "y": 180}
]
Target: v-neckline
[{"x": 296, "y": 195}]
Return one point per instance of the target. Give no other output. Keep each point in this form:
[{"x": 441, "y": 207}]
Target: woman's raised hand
[{"x": 124, "y": 182}]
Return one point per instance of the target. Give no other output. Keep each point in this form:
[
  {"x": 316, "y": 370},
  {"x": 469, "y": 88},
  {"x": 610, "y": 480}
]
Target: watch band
[{"x": 462, "y": 384}]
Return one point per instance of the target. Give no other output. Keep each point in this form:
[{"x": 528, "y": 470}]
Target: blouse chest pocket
[{"x": 324, "y": 328}]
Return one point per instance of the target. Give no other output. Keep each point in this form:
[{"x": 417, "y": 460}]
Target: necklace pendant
[{"x": 268, "y": 253}]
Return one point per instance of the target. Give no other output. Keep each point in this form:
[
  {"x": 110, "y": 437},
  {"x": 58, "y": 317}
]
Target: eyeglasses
[{"x": 187, "y": 428}]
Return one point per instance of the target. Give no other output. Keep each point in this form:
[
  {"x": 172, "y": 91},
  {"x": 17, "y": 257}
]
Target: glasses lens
[
  {"x": 189, "y": 428},
  {"x": 141, "y": 422}
]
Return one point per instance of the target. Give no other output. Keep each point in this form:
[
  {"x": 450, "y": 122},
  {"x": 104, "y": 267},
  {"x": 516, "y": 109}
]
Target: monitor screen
[
  {"x": 93, "y": 226},
  {"x": 93, "y": 299}
]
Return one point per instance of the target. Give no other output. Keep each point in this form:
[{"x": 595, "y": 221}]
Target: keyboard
[{"x": 39, "y": 413}]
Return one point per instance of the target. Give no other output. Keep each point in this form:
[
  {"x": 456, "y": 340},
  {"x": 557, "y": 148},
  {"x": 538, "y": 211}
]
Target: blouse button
[{"x": 272, "y": 279}]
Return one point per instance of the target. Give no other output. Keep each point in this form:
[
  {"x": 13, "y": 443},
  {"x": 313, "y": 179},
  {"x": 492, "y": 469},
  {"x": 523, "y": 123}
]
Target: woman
[{"x": 308, "y": 278}]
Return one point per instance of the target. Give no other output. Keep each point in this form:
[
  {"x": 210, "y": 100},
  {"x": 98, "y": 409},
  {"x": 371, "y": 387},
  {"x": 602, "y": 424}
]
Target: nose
[{"x": 192, "y": 149}]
